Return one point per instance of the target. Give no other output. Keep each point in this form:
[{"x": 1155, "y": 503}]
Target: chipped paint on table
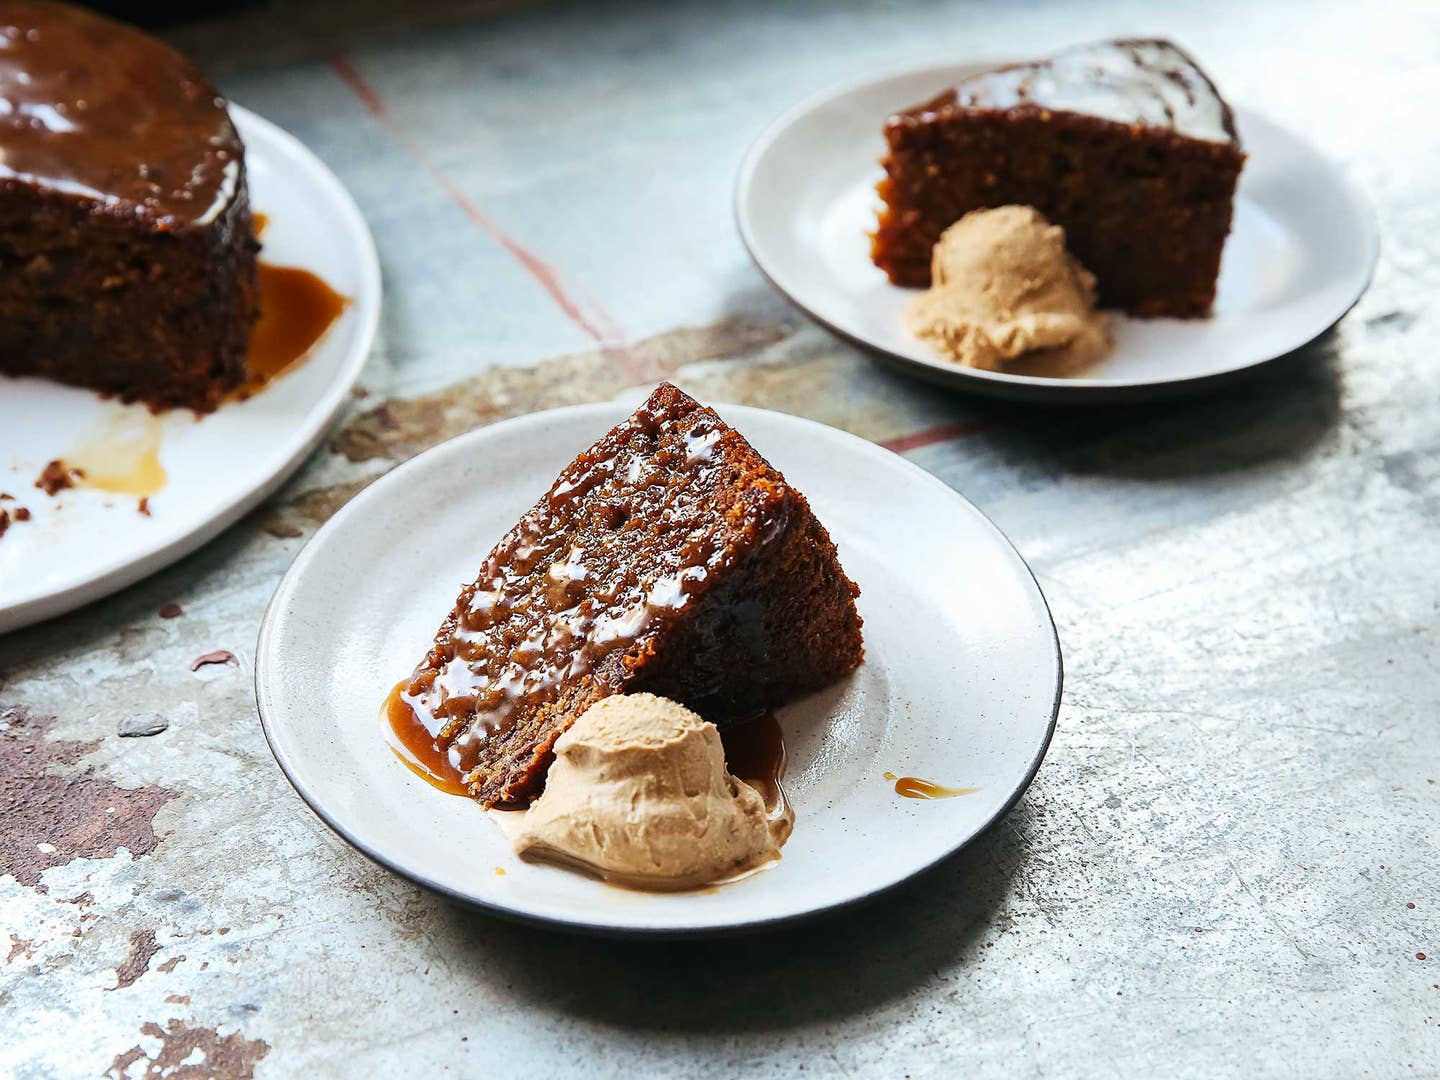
[{"x": 1227, "y": 865}]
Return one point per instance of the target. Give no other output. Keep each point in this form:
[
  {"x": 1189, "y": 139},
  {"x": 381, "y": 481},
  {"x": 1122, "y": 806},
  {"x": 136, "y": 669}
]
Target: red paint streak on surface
[
  {"x": 595, "y": 323},
  {"x": 217, "y": 656},
  {"x": 939, "y": 433},
  {"x": 350, "y": 75}
]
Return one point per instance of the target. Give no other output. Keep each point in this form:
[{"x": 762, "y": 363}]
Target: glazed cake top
[
  {"x": 1150, "y": 82},
  {"x": 97, "y": 109}
]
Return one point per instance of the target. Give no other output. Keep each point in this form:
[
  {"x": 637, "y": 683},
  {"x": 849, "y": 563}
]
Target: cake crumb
[{"x": 57, "y": 476}]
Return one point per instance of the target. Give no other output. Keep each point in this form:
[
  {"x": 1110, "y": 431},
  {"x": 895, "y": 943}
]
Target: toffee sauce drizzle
[
  {"x": 543, "y": 613},
  {"x": 104, "y": 112},
  {"x": 414, "y": 744}
]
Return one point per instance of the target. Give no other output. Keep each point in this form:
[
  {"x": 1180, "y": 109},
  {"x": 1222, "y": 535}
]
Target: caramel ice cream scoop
[
  {"x": 639, "y": 794},
  {"x": 1006, "y": 294}
]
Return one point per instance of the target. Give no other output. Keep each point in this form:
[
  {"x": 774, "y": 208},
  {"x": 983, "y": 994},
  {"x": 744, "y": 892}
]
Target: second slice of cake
[
  {"x": 669, "y": 558},
  {"x": 1126, "y": 145}
]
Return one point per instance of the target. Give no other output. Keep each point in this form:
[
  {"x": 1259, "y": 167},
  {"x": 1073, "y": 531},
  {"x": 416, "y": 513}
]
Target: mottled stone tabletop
[{"x": 1228, "y": 863}]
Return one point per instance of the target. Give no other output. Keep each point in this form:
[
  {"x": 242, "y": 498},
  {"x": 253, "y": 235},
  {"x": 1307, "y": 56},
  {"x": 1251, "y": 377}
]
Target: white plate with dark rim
[
  {"x": 1300, "y": 253},
  {"x": 960, "y": 685},
  {"x": 84, "y": 544}
]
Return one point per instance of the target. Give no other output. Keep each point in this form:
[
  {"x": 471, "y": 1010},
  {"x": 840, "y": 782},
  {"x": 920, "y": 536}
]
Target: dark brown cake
[
  {"x": 127, "y": 256},
  {"x": 1125, "y": 144},
  {"x": 669, "y": 558}
]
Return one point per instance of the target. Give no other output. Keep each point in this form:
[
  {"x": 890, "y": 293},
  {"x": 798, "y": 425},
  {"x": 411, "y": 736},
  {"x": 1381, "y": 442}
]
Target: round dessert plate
[
  {"x": 960, "y": 684},
  {"x": 1300, "y": 254},
  {"x": 83, "y": 543}
]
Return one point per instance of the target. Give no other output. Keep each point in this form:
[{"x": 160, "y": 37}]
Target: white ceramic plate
[
  {"x": 85, "y": 544},
  {"x": 1300, "y": 254},
  {"x": 960, "y": 685}
]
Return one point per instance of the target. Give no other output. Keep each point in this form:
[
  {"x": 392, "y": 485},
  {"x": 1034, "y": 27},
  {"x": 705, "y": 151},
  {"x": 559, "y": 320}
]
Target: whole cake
[
  {"x": 127, "y": 252},
  {"x": 1126, "y": 145},
  {"x": 668, "y": 558}
]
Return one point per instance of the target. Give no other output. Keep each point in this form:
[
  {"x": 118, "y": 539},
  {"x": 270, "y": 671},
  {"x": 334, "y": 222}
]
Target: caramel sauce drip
[
  {"x": 912, "y": 787},
  {"x": 259, "y": 222},
  {"x": 296, "y": 308},
  {"x": 414, "y": 744},
  {"x": 755, "y": 753}
]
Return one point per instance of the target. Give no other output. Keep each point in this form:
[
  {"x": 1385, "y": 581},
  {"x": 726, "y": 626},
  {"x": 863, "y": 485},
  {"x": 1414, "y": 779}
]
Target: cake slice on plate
[
  {"x": 1126, "y": 145},
  {"x": 127, "y": 251},
  {"x": 669, "y": 558}
]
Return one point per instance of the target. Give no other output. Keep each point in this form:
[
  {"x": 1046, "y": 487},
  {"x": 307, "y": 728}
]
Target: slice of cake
[
  {"x": 127, "y": 254},
  {"x": 669, "y": 558},
  {"x": 1126, "y": 145}
]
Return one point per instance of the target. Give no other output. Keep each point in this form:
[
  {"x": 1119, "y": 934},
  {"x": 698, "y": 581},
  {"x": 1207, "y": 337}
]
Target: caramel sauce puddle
[
  {"x": 297, "y": 307},
  {"x": 413, "y": 744},
  {"x": 755, "y": 753},
  {"x": 913, "y": 787}
]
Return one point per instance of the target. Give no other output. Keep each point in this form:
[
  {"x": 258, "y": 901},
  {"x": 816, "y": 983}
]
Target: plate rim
[
  {"x": 39, "y": 606},
  {"x": 1000, "y": 384},
  {"x": 372, "y": 491}
]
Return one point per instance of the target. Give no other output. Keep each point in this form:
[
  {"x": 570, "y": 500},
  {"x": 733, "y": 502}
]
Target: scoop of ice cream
[
  {"x": 1004, "y": 287},
  {"x": 639, "y": 793}
]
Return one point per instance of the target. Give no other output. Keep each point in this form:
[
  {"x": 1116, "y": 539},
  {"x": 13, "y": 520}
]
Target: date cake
[
  {"x": 127, "y": 253},
  {"x": 1126, "y": 145},
  {"x": 668, "y": 558}
]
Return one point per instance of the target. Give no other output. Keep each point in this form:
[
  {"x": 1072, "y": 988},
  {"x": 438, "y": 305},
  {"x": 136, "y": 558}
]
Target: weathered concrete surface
[{"x": 1228, "y": 863}]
